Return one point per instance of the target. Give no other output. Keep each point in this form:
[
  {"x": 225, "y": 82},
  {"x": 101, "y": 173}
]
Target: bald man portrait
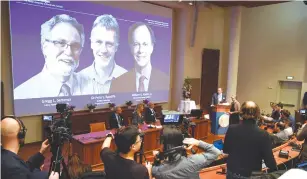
[
  {"x": 13, "y": 133},
  {"x": 143, "y": 77}
]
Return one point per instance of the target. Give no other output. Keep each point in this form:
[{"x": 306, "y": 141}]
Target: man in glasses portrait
[
  {"x": 62, "y": 40},
  {"x": 104, "y": 43}
]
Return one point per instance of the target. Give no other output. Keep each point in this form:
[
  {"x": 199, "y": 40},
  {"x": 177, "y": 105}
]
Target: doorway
[
  {"x": 290, "y": 95},
  {"x": 209, "y": 77}
]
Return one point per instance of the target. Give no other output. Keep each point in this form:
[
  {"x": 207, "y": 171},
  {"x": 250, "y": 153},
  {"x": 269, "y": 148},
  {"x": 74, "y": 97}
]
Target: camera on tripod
[
  {"x": 60, "y": 129},
  {"x": 59, "y": 132}
]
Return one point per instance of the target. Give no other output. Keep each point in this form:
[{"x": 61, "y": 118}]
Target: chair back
[
  {"x": 97, "y": 127},
  {"x": 129, "y": 121}
]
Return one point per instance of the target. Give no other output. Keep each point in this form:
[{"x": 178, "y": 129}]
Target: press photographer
[
  {"x": 13, "y": 133},
  {"x": 121, "y": 164},
  {"x": 173, "y": 161}
]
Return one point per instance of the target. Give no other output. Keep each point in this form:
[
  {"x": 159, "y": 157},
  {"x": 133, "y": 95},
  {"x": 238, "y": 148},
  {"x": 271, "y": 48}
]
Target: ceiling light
[{"x": 191, "y": 3}]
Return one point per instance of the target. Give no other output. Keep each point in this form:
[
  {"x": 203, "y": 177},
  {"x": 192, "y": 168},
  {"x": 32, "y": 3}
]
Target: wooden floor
[{"x": 31, "y": 149}]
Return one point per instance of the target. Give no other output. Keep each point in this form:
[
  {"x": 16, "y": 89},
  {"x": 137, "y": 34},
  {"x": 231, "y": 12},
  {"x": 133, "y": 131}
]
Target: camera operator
[
  {"x": 121, "y": 164},
  {"x": 178, "y": 165},
  {"x": 302, "y": 135},
  {"x": 13, "y": 133}
]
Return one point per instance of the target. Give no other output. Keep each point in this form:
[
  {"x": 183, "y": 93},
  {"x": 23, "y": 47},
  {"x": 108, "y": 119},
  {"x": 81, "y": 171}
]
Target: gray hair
[
  {"x": 109, "y": 22},
  {"x": 50, "y": 24}
]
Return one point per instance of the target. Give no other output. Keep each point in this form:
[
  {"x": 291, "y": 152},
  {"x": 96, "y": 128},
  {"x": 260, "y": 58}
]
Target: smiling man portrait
[
  {"x": 62, "y": 40},
  {"x": 104, "y": 43},
  {"x": 143, "y": 77}
]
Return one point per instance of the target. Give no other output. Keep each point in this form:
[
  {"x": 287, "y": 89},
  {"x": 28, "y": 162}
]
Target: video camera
[
  {"x": 60, "y": 129},
  {"x": 179, "y": 120},
  {"x": 59, "y": 132},
  {"x": 163, "y": 155},
  {"x": 303, "y": 113}
]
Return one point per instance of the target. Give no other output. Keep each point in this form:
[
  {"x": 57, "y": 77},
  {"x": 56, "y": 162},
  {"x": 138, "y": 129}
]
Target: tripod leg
[
  {"x": 65, "y": 170},
  {"x": 51, "y": 165}
]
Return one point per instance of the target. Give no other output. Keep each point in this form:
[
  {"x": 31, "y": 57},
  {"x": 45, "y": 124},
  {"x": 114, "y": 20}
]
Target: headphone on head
[{"x": 23, "y": 130}]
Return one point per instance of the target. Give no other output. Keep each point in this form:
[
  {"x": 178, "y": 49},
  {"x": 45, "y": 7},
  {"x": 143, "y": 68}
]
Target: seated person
[
  {"x": 137, "y": 116},
  {"x": 178, "y": 165},
  {"x": 76, "y": 168},
  {"x": 283, "y": 130},
  {"x": 276, "y": 114},
  {"x": 116, "y": 120},
  {"x": 150, "y": 114},
  {"x": 120, "y": 164},
  {"x": 13, "y": 133},
  {"x": 285, "y": 114}
]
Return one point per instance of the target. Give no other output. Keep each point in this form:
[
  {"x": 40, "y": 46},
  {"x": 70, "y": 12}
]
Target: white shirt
[
  {"x": 99, "y": 85},
  {"x": 118, "y": 121},
  {"x": 219, "y": 97},
  {"x": 45, "y": 85},
  {"x": 146, "y": 73},
  {"x": 289, "y": 131}
]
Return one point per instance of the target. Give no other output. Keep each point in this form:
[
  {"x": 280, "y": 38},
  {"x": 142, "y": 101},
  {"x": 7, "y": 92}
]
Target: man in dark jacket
[
  {"x": 247, "y": 145},
  {"x": 218, "y": 97},
  {"x": 150, "y": 114},
  {"x": 116, "y": 120},
  {"x": 13, "y": 134}
]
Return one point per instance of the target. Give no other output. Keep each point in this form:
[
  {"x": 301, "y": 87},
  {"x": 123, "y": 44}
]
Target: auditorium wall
[
  {"x": 186, "y": 60},
  {"x": 273, "y": 45}
]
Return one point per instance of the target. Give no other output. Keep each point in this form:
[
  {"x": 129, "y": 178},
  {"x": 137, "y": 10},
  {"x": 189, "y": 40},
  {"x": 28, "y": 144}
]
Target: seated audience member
[
  {"x": 178, "y": 165},
  {"x": 234, "y": 117},
  {"x": 302, "y": 135},
  {"x": 150, "y": 114},
  {"x": 137, "y": 117},
  {"x": 283, "y": 130},
  {"x": 76, "y": 168},
  {"x": 121, "y": 165},
  {"x": 247, "y": 145},
  {"x": 116, "y": 120},
  {"x": 276, "y": 114},
  {"x": 273, "y": 105},
  {"x": 285, "y": 114},
  {"x": 13, "y": 133}
]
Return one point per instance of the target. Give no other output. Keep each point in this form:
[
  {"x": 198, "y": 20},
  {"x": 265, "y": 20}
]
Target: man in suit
[
  {"x": 150, "y": 114},
  {"x": 62, "y": 40},
  {"x": 13, "y": 133},
  {"x": 116, "y": 120},
  {"x": 247, "y": 145},
  {"x": 218, "y": 98},
  {"x": 143, "y": 77}
]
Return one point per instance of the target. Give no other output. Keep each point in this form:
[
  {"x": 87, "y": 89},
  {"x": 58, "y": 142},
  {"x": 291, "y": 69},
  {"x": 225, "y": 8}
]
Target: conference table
[
  {"x": 88, "y": 146},
  {"x": 211, "y": 172}
]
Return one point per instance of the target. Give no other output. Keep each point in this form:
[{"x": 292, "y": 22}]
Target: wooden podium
[{"x": 219, "y": 119}]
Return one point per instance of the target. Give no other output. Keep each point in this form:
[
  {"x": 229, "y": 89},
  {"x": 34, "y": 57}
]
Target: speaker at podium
[{"x": 220, "y": 118}]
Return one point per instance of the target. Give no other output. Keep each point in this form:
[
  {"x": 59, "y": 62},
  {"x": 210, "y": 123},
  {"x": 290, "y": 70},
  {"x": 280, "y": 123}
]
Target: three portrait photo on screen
[{"x": 82, "y": 58}]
